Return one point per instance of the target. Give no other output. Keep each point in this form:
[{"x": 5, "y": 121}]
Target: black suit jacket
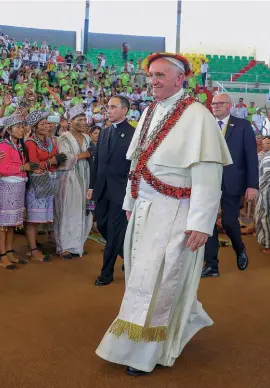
[
  {"x": 111, "y": 168},
  {"x": 243, "y": 173}
]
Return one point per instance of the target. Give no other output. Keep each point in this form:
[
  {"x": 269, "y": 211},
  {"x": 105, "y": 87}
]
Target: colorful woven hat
[
  {"x": 12, "y": 120},
  {"x": 76, "y": 111},
  {"x": 35, "y": 117},
  {"x": 176, "y": 57}
]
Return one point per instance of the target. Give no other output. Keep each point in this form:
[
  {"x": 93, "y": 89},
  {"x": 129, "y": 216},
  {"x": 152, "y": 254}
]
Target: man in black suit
[
  {"x": 240, "y": 178},
  {"x": 109, "y": 181}
]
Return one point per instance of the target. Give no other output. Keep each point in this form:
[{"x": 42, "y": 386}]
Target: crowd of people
[
  {"x": 137, "y": 152},
  {"x": 38, "y": 78}
]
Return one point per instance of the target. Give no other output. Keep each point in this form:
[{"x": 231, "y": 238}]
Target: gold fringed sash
[
  {"x": 139, "y": 333},
  {"x": 5, "y": 228}
]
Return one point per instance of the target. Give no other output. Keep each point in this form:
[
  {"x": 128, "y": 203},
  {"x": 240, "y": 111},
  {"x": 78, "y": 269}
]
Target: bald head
[
  {"x": 166, "y": 78},
  {"x": 221, "y": 105}
]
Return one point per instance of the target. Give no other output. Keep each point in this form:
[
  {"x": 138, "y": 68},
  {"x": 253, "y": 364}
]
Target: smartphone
[{"x": 53, "y": 119}]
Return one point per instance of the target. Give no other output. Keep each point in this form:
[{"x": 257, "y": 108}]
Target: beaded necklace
[{"x": 147, "y": 146}]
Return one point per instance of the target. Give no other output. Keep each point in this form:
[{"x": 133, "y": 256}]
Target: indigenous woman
[
  {"x": 40, "y": 194},
  {"x": 262, "y": 214},
  {"x": 13, "y": 168},
  {"x": 72, "y": 222}
]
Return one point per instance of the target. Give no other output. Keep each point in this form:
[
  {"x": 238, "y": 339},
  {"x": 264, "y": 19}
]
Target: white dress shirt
[
  {"x": 224, "y": 122},
  {"x": 204, "y": 68}
]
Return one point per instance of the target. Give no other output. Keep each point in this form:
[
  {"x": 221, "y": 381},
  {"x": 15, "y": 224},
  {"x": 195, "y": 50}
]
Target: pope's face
[{"x": 166, "y": 79}]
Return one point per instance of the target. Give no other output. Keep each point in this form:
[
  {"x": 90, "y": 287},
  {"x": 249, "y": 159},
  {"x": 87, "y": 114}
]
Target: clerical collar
[
  {"x": 116, "y": 125},
  {"x": 172, "y": 100}
]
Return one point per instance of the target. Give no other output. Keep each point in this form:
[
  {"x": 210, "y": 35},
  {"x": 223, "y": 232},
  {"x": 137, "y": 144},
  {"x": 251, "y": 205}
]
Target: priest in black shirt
[{"x": 109, "y": 181}]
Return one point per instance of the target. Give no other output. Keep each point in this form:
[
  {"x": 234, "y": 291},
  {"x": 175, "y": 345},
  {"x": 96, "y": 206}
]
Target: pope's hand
[
  {"x": 128, "y": 214},
  {"x": 89, "y": 194},
  {"x": 196, "y": 239}
]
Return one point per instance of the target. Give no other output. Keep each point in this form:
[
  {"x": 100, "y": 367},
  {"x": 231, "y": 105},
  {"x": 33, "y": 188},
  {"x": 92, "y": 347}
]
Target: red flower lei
[{"x": 141, "y": 169}]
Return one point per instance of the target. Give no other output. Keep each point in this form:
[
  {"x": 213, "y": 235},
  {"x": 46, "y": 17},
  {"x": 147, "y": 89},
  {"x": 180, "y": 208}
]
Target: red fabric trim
[{"x": 141, "y": 168}]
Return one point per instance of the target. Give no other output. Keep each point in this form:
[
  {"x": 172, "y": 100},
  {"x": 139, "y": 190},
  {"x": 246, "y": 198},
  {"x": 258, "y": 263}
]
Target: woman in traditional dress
[
  {"x": 40, "y": 193},
  {"x": 48, "y": 229},
  {"x": 13, "y": 168},
  {"x": 73, "y": 223},
  {"x": 262, "y": 214}
]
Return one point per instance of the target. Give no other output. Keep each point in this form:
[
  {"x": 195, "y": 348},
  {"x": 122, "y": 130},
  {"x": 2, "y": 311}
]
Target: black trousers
[
  {"x": 230, "y": 208},
  {"x": 111, "y": 223},
  {"x": 204, "y": 78}
]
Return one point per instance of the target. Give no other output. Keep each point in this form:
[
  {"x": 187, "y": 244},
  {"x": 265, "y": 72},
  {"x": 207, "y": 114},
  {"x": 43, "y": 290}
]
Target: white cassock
[{"x": 160, "y": 312}]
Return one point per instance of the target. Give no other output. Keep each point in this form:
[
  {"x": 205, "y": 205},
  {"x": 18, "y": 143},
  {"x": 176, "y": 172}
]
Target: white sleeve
[
  {"x": 129, "y": 202},
  {"x": 206, "y": 180}
]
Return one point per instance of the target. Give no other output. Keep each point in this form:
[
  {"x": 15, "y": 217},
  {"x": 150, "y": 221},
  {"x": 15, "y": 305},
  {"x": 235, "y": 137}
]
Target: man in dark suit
[
  {"x": 240, "y": 178},
  {"x": 109, "y": 181}
]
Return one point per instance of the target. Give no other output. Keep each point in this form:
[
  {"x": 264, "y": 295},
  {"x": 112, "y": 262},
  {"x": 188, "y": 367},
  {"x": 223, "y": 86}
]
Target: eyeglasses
[{"x": 218, "y": 104}]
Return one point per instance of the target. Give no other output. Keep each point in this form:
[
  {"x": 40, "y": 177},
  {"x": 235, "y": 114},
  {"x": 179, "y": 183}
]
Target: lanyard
[{"x": 224, "y": 130}]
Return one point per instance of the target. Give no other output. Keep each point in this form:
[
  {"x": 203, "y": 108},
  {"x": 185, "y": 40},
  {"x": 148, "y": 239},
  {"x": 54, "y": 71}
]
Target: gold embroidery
[{"x": 139, "y": 333}]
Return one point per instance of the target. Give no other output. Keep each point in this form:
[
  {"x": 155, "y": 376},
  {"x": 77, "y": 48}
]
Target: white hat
[
  {"x": 12, "y": 120},
  {"x": 75, "y": 111}
]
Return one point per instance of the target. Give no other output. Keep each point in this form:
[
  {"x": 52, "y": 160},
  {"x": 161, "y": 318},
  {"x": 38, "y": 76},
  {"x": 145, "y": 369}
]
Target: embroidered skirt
[
  {"x": 12, "y": 201},
  {"x": 39, "y": 211}
]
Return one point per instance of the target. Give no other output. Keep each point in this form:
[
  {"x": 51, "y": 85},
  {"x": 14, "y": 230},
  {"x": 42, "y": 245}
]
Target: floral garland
[{"x": 141, "y": 169}]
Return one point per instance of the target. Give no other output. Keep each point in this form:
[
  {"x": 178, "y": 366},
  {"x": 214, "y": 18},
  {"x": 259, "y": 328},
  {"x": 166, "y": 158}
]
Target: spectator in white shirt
[
  {"x": 101, "y": 60},
  {"x": 53, "y": 57},
  {"x": 5, "y": 75},
  {"x": 144, "y": 92},
  {"x": 89, "y": 99},
  {"x": 43, "y": 56},
  {"x": 258, "y": 121},
  {"x": 44, "y": 46},
  {"x": 266, "y": 128},
  {"x": 56, "y": 51},
  {"x": 26, "y": 56},
  {"x": 26, "y": 44},
  {"x": 35, "y": 58},
  {"x": 131, "y": 67},
  {"x": 133, "y": 112},
  {"x": 124, "y": 93},
  {"x": 240, "y": 111},
  {"x": 135, "y": 96},
  {"x": 17, "y": 63},
  {"x": 204, "y": 70},
  {"x": 98, "y": 116}
]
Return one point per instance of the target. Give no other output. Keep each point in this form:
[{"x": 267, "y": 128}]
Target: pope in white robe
[{"x": 164, "y": 244}]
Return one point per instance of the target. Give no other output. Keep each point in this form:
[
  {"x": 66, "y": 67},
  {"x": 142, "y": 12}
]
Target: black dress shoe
[
  {"x": 135, "y": 372},
  {"x": 209, "y": 272},
  {"x": 102, "y": 281},
  {"x": 242, "y": 260}
]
